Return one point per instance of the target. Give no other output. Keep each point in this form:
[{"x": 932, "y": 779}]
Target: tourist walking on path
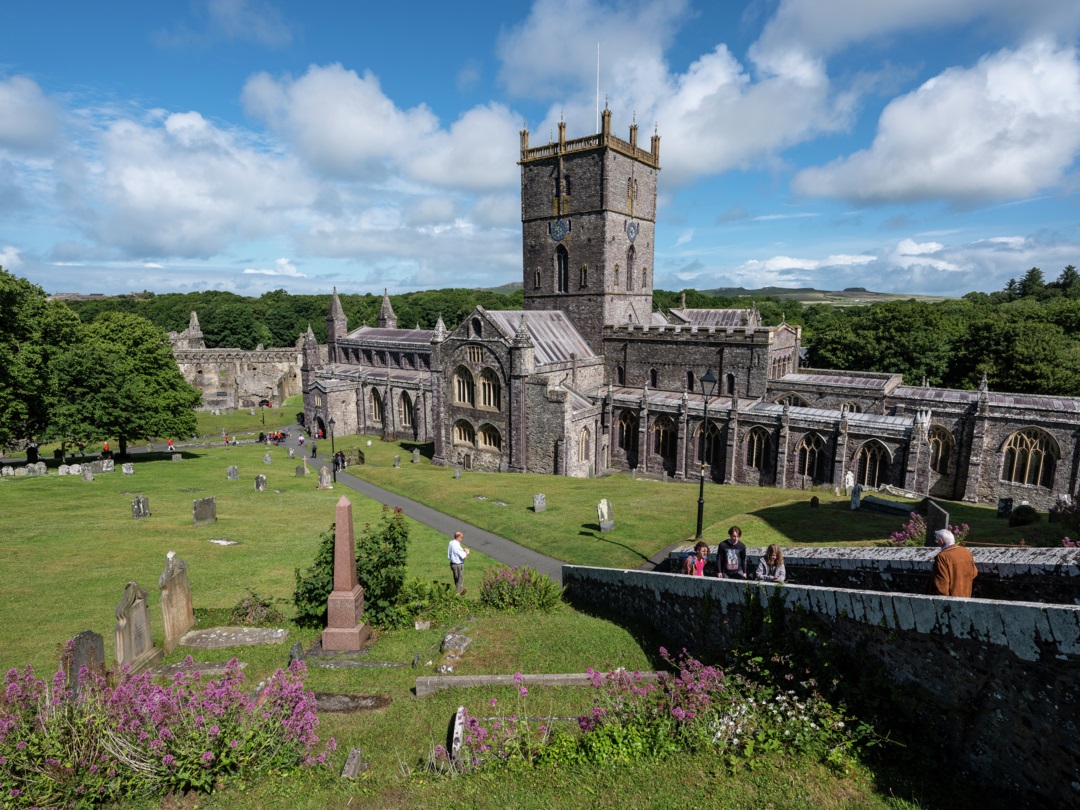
[
  {"x": 314, "y": 450},
  {"x": 771, "y": 567},
  {"x": 954, "y": 568},
  {"x": 457, "y": 554},
  {"x": 731, "y": 556}
]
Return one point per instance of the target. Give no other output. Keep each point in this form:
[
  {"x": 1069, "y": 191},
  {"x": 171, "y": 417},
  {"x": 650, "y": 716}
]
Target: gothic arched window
[
  {"x": 490, "y": 437},
  {"x": 664, "y": 438},
  {"x": 654, "y": 378},
  {"x": 811, "y": 458},
  {"x": 584, "y": 443},
  {"x": 562, "y": 269},
  {"x": 628, "y": 431},
  {"x": 405, "y": 409},
  {"x": 758, "y": 448},
  {"x": 941, "y": 444},
  {"x": 630, "y": 255},
  {"x": 873, "y": 464},
  {"x": 584, "y": 275},
  {"x": 464, "y": 433},
  {"x": 620, "y": 375},
  {"x": 490, "y": 390},
  {"x": 1030, "y": 458},
  {"x": 376, "y": 406},
  {"x": 464, "y": 387}
]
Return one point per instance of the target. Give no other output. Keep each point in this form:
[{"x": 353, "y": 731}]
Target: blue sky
[{"x": 920, "y": 146}]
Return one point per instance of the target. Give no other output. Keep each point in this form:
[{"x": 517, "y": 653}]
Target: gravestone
[
  {"x": 856, "y": 496},
  {"x": 87, "y": 650},
  {"x": 176, "y": 609},
  {"x": 345, "y": 629},
  {"x": 20, "y": 472},
  {"x": 204, "y": 511},
  {"x": 267, "y": 459},
  {"x": 416, "y": 455},
  {"x": 40, "y": 468},
  {"x": 108, "y": 465},
  {"x": 251, "y": 412},
  {"x": 604, "y": 513},
  {"x": 87, "y": 474},
  {"x": 177, "y": 457},
  {"x": 936, "y": 519},
  {"x": 301, "y": 471},
  {"x": 75, "y": 469},
  {"x": 325, "y": 480},
  {"x": 260, "y": 483},
  {"x": 97, "y": 467},
  {"x": 1005, "y": 507},
  {"x": 457, "y": 472},
  {"x": 397, "y": 461},
  {"x": 815, "y": 502},
  {"x": 6, "y": 471},
  {"x": 63, "y": 469},
  {"x": 291, "y": 453},
  {"x": 140, "y": 507},
  {"x": 134, "y": 642},
  {"x": 127, "y": 468},
  {"x": 539, "y": 503},
  {"x": 233, "y": 473},
  {"x": 849, "y": 482}
]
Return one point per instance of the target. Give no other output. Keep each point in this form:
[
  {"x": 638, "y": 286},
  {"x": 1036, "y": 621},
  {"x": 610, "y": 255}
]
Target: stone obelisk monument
[{"x": 345, "y": 629}]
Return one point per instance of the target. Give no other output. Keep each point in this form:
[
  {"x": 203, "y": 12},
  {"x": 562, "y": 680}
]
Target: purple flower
[{"x": 208, "y": 756}]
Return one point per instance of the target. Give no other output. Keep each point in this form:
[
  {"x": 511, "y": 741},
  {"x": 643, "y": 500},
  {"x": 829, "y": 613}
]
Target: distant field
[{"x": 837, "y": 298}]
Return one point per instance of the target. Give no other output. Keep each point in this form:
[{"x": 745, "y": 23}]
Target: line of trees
[{"x": 66, "y": 380}]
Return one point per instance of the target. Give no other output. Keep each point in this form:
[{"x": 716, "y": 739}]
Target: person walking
[
  {"x": 731, "y": 556},
  {"x": 314, "y": 449},
  {"x": 457, "y": 553},
  {"x": 954, "y": 568}
]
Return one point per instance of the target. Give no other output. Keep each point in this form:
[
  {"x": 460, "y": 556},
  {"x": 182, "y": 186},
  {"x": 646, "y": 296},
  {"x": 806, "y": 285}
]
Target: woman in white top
[{"x": 771, "y": 567}]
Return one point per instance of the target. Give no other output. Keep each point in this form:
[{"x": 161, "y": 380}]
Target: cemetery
[{"x": 151, "y": 563}]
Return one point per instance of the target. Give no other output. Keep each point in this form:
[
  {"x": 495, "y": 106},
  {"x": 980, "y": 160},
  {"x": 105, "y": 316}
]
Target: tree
[
  {"x": 1032, "y": 284},
  {"x": 1069, "y": 282}
]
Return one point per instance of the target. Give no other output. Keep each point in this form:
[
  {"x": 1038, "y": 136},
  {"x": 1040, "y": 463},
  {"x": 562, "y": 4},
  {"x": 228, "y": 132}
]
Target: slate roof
[
  {"x": 958, "y": 396},
  {"x": 852, "y": 380},
  {"x": 554, "y": 336},
  {"x": 414, "y": 336},
  {"x": 716, "y": 317},
  {"x": 345, "y": 371},
  {"x": 864, "y": 421}
]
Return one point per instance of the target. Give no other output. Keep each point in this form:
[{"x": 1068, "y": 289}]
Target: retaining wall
[{"x": 994, "y": 684}]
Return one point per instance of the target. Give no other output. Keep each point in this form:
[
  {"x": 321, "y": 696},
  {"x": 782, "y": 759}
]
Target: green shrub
[
  {"x": 437, "y": 601},
  {"x": 380, "y": 569},
  {"x": 1023, "y": 515},
  {"x": 256, "y": 611},
  {"x": 521, "y": 588}
]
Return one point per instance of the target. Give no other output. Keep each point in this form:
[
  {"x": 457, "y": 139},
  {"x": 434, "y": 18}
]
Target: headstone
[
  {"x": 416, "y": 455},
  {"x": 296, "y": 652},
  {"x": 815, "y": 502},
  {"x": 177, "y": 457},
  {"x": 345, "y": 629},
  {"x": 87, "y": 474},
  {"x": 325, "y": 480},
  {"x": 233, "y": 473},
  {"x": 140, "y": 507},
  {"x": 134, "y": 643},
  {"x": 291, "y": 453},
  {"x": 87, "y": 650},
  {"x": 176, "y": 609},
  {"x": 936, "y": 519},
  {"x": 856, "y": 496},
  {"x": 6, "y": 471},
  {"x": 539, "y": 502},
  {"x": 604, "y": 513},
  {"x": 41, "y": 469},
  {"x": 20, "y": 472},
  {"x": 457, "y": 732},
  {"x": 127, "y": 468},
  {"x": 251, "y": 411},
  {"x": 457, "y": 472},
  {"x": 75, "y": 469},
  {"x": 301, "y": 471},
  {"x": 1005, "y": 507},
  {"x": 97, "y": 467},
  {"x": 267, "y": 459},
  {"x": 204, "y": 511},
  {"x": 397, "y": 461},
  {"x": 108, "y": 465},
  {"x": 354, "y": 765},
  {"x": 63, "y": 469},
  {"x": 260, "y": 483},
  {"x": 849, "y": 482}
]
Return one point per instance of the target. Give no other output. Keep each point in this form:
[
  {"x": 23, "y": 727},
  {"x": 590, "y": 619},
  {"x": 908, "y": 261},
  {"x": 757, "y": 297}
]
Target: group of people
[
  {"x": 339, "y": 461},
  {"x": 953, "y": 573},
  {"x": 731, "y": 560},
  {"x": 276, "y": 438}
]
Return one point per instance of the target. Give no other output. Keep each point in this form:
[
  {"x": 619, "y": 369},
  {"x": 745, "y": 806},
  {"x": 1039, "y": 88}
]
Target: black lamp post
[
  {"x": 708, "y": 387},
  {"x": 333, "y": 456}
]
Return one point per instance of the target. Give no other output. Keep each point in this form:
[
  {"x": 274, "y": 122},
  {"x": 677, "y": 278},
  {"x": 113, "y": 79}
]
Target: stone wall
[
  {"x": 992, "y": 685},
  {"x": 1049, "y": 575}
]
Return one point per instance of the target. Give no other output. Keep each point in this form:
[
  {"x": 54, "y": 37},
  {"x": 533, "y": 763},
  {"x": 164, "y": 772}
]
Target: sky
[{"x": 909, "y": 146}]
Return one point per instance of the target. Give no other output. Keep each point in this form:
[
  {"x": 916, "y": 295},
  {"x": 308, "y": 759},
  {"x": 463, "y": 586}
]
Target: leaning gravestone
[
  {"x": 127, "y": 468},
  {"x": 856, "y": 497},
  {"x": 604, "y": 513},
  {"x": 539, "y": 503},
  {"x": 325, "y": 481},
  {"x": 204, "y": 511},
  {"x": 134, "y": 642},
  {"x": 176, "y": 610},
  {"x": 397, "y": 461},
  {"x": 177, "y": 457},
  {"x": 260, "y": 483},
  {"x": 87, "y": 474},
  {"x": 936, "y": 520},
  {"x": 233, "y": 473},
  {"x": 87, "y": 650},
  {"x": 140, "y": 507},
  {"x": 63, "y": 469},
  {"x": 416, "y": 455},
  {"x": 267, "y": 459},
  {"x": 301, "y": 471}
]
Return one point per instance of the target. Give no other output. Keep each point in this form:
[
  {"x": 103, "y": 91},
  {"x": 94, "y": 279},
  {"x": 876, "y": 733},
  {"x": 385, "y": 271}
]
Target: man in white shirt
[{"x": 457, "y": 554}]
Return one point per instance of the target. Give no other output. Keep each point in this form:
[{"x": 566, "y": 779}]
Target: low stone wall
[
  {"x": 993, "y": 684},
  {"x": 1049, "y": 575}
]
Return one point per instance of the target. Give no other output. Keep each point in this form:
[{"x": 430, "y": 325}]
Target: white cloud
[
  {"x": 282, "y": 267},
  {"x": 10, "y": 258},
  {"x": 428, "y": 211},
  {"x": 685, "y": 237},
  {"x": 1007, "y": 127},
  {"x": 29, "y": 122},
  {"x": 230, "y": 20}
]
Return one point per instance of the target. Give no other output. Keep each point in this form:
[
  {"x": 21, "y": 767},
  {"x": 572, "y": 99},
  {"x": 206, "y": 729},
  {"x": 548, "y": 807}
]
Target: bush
[
  {"x": 380, "y": 569},
  {"x": 59, "y": 748},
  {"x": 522, "y": 589},
  {"x": 256, "y": 611},
  {"x": 1023, "y": 515},
  {"x": 913, "y": 533},
  {"x": 437, "y": 601}
]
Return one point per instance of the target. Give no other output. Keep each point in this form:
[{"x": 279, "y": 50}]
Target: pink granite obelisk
[{"x": 345, "y": 629}]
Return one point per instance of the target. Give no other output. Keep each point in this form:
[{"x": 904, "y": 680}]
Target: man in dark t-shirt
[{"x": 731, "y": 556}]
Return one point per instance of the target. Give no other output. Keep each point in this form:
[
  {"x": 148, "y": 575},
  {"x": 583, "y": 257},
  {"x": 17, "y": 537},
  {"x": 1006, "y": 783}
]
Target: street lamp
[
  {"x": 333, "y": 455},
  {"x": 708, "y": 387}
]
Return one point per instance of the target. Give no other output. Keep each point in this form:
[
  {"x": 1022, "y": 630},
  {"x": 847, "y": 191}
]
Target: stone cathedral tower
[{"x": 588, "y": 213}]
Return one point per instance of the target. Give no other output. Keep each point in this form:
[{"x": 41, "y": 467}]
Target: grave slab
[{"x": 215, "y": 638}]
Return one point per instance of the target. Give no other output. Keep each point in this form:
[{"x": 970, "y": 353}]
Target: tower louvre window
[{"x": 562, "y": 269}]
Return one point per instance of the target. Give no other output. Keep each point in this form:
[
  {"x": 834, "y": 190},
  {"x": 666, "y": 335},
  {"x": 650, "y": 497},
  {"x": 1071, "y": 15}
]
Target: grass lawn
[{"x": 648, "y": 514}]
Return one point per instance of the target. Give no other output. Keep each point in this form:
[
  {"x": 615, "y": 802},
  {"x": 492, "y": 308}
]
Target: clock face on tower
[
  {"x": 558, "y": 230},
  {"x": 631, "y": 230}
]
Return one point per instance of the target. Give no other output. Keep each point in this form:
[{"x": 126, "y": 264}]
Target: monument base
[
  {"x": 341, "y": 639},
  {"x": 345, "y": 629}
]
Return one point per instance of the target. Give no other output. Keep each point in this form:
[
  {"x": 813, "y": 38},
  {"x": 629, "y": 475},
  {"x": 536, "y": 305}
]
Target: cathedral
[{"x": 589, "y": 379}]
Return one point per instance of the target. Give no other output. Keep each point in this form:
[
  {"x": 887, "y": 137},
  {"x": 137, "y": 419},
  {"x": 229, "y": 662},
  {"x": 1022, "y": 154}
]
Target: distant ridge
[{"x": 850, "y": 296}]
